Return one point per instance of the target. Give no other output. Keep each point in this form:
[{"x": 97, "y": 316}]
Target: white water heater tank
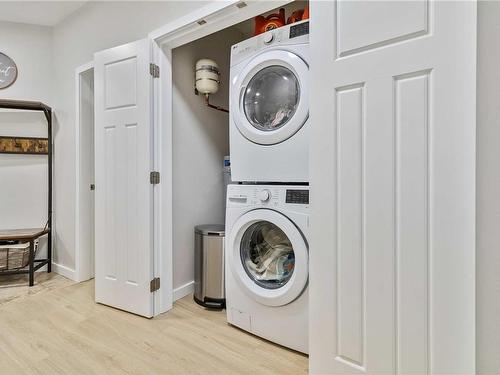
[{"x": 207, "y": 76}]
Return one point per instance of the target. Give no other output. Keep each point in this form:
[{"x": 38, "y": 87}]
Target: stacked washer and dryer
[{"x": 267, "y": 218}]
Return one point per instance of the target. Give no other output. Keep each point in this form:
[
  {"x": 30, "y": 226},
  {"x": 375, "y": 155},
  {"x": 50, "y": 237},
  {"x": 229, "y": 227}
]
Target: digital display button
[
  {"x": 297, "y": 196},
  {"x": 298, "y": 30}
]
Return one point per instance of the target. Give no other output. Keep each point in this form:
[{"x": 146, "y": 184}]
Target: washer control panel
[{"x": 270, "y": 196}]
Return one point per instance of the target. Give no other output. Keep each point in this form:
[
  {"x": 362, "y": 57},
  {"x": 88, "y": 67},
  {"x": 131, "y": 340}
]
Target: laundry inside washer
[{"x": 267, "y": 255}]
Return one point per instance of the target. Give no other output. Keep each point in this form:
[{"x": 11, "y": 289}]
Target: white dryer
[
  {"x": 269, "y": 107},
  {"x": 267, "y": 260}
]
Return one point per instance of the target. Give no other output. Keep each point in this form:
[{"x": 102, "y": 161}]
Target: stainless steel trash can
[{"x": 209, "y": 266}]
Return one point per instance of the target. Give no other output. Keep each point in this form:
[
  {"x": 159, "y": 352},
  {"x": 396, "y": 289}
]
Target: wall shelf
[{"x": 30, "y": 234}]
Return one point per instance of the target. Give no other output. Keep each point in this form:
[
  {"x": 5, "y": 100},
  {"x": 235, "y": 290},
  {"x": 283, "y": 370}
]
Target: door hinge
[
  {"x": 154, "y": 285},
  {"x": 154, "y": 178},
  {"x": 154, "y": 70}
]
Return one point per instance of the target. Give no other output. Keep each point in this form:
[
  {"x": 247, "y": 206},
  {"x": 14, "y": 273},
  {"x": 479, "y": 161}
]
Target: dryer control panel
[
  {"x": 294, "y": 34},
  {"x": 299, "y": 29}
]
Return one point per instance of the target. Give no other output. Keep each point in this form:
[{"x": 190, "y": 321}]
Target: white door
[
  {"x": 268, "y": 257},
  {"x": 123, "y": 195},
  {"x": 392, "y": 184},
  {"x": 270, "y": 97}
]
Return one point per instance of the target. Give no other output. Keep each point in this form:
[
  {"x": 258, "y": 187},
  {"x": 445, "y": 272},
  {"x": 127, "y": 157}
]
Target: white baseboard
[
  {"x": 64, "y": 271},
  {"x": 183, "y": 290}
]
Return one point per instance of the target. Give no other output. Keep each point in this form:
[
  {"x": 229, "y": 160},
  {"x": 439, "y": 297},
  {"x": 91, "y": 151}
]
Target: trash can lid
[{"x": 210, "y": 229}]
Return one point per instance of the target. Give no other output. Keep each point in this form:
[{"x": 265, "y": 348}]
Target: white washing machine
[
  {"x": 269, "y": 107},
  {"x": 267, "y": 261}
]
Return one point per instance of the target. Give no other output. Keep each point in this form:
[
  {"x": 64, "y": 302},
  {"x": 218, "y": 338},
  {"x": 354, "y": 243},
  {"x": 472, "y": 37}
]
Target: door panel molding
[
  {"x": 124, "y": 196},
  {"x": 392, "y": 187}
]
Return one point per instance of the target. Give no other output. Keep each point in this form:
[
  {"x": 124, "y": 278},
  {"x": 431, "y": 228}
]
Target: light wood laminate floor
[
  {"x": 15, "y": 287},
  {"x": 60, "y": 330}
]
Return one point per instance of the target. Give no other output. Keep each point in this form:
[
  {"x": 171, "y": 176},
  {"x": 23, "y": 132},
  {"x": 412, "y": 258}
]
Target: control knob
[
  {"x": 264, "y": 195},
  {"x": 268, "y": 38}
]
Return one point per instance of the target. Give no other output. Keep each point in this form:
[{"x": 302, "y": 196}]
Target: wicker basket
[{"x": 15, "y": 256}]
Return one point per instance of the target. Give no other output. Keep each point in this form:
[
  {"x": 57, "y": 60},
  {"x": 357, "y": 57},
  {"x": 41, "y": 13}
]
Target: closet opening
[
  {"x": 200, "y": 137},
  {"x": 84, "y": 170}
]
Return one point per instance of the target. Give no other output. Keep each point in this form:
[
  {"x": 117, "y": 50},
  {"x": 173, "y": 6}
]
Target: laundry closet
[{"x": 200, "y": 136}]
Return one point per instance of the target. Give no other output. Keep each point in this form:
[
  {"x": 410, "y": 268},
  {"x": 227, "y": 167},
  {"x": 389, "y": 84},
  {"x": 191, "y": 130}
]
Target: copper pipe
[{"x": 207, "y": 102}]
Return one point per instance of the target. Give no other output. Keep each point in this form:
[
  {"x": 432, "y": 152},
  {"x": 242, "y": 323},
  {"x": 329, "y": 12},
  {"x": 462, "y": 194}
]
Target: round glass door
[
  {"x": 267, "y": 255},
  {"x": 271, "y": 98}
]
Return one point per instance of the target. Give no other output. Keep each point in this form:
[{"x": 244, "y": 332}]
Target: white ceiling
[{"x": 46, "y": 13}]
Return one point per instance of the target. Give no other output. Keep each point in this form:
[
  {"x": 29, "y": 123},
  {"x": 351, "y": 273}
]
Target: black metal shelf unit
[{"x": 30, "y": 234}]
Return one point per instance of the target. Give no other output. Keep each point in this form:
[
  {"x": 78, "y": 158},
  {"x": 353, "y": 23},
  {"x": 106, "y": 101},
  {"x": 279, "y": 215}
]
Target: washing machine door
[
  {"x": 268, "y": 256},
  {"x": 269, "y": 102}
]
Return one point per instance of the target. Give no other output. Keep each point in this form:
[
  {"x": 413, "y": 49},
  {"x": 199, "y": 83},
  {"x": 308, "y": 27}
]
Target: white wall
[
  {"x": 488, "y": 189},
  {"x": 31, "y": 48},
  {"x": 200, "y": 139},
  {"x": 94, "y": 27},
  {"x": 23, "y": 178}
]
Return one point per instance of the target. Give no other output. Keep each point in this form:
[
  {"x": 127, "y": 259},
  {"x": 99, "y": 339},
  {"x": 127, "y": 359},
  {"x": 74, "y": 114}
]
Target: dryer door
[
  {"x": 269, "y": 101},
  {"x": 269, "y": 257}
]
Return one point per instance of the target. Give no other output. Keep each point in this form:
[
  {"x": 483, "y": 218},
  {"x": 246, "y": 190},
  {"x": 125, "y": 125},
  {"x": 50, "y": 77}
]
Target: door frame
[
  {"x": 81, "y": 272},
  {"x": 197, "y": 24}
]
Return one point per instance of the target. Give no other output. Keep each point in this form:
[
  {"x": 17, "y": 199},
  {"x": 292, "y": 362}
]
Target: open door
[
  {"x": 392, "y": 244},
  {"x": 123, "y": 193}
]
